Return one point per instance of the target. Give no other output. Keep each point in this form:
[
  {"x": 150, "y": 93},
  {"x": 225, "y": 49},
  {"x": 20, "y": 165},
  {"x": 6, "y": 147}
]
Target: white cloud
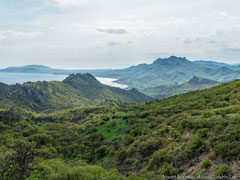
[
  {"x": 66, "y": 3},
  {"x": 18, "y": 34},
  {"x": 92, "y": 32},
  {"x": 113, "y": 31}
]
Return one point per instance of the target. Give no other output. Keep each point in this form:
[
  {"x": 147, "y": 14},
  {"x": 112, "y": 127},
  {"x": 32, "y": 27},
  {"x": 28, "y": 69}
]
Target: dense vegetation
[
  {"x": 75, "y": 90},
  {"x": 197, "y": 133}
]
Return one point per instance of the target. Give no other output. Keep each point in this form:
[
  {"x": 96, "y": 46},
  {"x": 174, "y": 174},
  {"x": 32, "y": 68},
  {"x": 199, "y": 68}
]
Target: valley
[
  {"x": 119, "y": 90},
  {"x": 162, "y": 74},
  {"x": 118, "y": 141}
]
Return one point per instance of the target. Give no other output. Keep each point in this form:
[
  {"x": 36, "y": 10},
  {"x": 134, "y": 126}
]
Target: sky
[{"x": 100, "y": 34}]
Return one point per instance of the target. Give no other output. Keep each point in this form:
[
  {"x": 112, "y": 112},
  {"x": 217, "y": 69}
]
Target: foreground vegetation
[{"x": 197, "y": 133}]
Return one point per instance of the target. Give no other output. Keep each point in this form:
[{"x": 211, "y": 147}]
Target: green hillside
[
  {"x": 196, "y": 83},
  {"x": 197, "y": 133},
  {"x": 75, "y": 90},
  {"x": 158, "y": 79},
  {"x": 163, "y": 71}
]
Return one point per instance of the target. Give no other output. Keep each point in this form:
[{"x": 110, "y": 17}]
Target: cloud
[
  {"x": 188, "y": 41},
  {"x": 232, "y": 50},
  {"x": 64, "y": 33},
  {"x": 113, "y": 31},
  {"x": 18, "y": 34},
  {"x": 233, "y": 53},
  {"x": 67, "y": 3},
  {"x": 204, "y": 40},
  {"x": 113, "y": 43}
]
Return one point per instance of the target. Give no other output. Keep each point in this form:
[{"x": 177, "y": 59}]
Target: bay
[
  {"x": 13, "y": 78},
  {"x": 111, "y": 82}
]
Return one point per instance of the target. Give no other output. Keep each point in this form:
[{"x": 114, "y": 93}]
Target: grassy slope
[{"x": 177, "y": 135}]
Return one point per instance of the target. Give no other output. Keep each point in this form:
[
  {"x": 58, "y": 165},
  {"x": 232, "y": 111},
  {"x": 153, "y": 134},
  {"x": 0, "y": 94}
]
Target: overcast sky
[{"x": 84, "y": 34}]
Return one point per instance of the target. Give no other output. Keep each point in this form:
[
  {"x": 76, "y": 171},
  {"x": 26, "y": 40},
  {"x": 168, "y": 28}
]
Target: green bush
[
  {"x": 129, "y": 139},
  {"x": 121, "y": 155},
  {"x": 208, "y": 114},
  {"x": 102, "y": 151},
  {"x": 223, "y": 170},
  {"x": 195, "y": 147},
  {"x": 206, "y": 164},
  {"x": 158, "y": 158},
  {"x": 168, "y": 170}
]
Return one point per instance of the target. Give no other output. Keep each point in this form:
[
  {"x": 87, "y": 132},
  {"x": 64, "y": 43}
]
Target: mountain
[
  {"x": 189, "y": 135},
  {"x": 163, "y": 71},
  {"x": 196, "y": 83},
  {"x": 46, "y": 70},
  {"x": 199, "y": 81},
  {"x": 212, "y": 63},
  {"x": 75, "y": 90},
  {"x": 172, "y": 70},
  {"x": 28, "y": 69}
]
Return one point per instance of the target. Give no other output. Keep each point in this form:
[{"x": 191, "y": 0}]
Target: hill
[
  {"x": 163, "y": 71},
  {"x": 212, "y": 63},
  {"x": 196, "y": 133},
  {"x": 163, "y": 78},
  {"x": 172, "y": 70},
  {"x": 75, "y": 90},
  {"x": 47, "y": 70},
  {"x": 196, "y": 83}
]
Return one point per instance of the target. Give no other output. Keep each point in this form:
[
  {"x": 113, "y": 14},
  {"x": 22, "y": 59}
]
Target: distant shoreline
[{"x": 11, "y": 78}]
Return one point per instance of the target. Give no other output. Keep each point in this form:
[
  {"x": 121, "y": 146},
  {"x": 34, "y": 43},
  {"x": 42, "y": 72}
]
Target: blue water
[{"x": 13, "y": 78}]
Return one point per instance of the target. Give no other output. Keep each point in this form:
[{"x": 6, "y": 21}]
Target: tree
[{"x": 17, "y": 166}]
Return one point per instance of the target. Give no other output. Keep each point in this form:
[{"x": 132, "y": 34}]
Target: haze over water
[{"x": 13, "y": 78}]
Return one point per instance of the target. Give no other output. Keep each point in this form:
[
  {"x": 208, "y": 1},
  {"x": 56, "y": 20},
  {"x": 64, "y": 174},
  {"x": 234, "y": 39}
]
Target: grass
[{"x": 112, "y": 129}]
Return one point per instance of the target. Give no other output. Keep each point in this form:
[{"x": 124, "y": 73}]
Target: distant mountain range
[
  {"x": 75, "y": 90},
  {"x": 172, "y": 70},
  {"x": 167, "y": 73},
  {"x": 46, "y": 70},
  {"x": 163, "y": 91}
]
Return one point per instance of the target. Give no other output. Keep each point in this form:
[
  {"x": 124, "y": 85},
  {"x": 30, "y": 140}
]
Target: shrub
[
  {"x": 147, "y": 147},
  {"x": 168, "y": 170},
  {"x": 129, "y": 139},
  {"x": 203, "y": 132},
  {"x": 208, "y": 114},
  {"x": 212, "y": 155},
  {"x": 158, "y": 158},
  {"x": 195, "y": 147},
  {"x": 121, "y": 155},
  {"x": 102, "y": 151},
  {"x": 227, "y": 150},
  {"x": 206, "y": 164},
  {"x": 41, "y": 139},
  {"x": 18, "y": 165},
  {"x": 223, "y": 170}
]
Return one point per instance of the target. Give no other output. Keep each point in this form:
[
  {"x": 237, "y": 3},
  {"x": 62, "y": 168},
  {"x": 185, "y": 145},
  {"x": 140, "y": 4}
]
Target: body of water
[
  {"x": 110, "y": 82},
  {"x": 13, "y": 78}
]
